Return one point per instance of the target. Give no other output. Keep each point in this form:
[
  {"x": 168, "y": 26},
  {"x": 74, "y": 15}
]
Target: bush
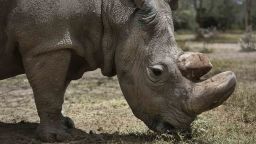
[{"x": 248, "y": 42}]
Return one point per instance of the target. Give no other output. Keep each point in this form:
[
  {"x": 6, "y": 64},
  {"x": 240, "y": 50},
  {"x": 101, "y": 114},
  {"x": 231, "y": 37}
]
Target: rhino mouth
[
  {"x": 161, "y": 126},
  {"x": 206, "y": 95},
  {"x": 165, "y": 127}
]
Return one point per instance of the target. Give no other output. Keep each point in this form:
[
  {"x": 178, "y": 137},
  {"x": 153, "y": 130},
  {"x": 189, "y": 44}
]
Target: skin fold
[{"x": 56, "y": 41}]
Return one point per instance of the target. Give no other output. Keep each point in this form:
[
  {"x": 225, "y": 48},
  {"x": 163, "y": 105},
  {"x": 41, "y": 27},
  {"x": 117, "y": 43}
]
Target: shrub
[{"x": 247, "y": 42}]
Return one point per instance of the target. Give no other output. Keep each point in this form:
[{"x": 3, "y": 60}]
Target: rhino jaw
[{"x": 211, "y": 93}]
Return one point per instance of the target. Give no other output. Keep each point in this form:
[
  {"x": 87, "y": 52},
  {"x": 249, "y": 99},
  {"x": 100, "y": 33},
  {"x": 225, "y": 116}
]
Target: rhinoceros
[{"x": 56, "y": 41}]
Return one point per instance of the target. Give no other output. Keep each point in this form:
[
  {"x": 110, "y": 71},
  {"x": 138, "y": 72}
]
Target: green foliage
[
  {"x": 184, "y": 19},
  {"x": 224, "y": 14}
]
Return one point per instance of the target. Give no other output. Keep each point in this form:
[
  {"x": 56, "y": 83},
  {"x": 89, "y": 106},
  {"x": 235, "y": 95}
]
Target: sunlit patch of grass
[
  {"x": 245, "y": 70},
  {"x": 206, "y": 50},
  {"x": 220, "y": 38},
  {"x": 235, "y": 120}
]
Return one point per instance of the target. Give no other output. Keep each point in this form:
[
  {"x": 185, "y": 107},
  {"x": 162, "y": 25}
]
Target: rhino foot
[
  {"x": 57, "y": 131},
  {"x": 68, "y": 122}
]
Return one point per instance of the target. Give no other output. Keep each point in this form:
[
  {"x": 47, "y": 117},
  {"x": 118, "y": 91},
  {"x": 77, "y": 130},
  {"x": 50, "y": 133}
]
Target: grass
[
  {"x": 220, "y": 38},
  {"x": 206, "y": 50},
  {"x": 235, "y": 121},
  {"x": 202, "y": 49}
]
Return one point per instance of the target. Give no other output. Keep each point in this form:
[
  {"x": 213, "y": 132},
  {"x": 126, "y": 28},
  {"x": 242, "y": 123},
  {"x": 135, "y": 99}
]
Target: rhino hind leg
[
  {"x": 47, "y": 75},
  {"x": 10, "y": 65}
]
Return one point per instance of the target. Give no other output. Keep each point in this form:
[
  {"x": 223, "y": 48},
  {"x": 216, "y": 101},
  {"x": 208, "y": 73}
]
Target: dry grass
[
  {"x": 102, "y": 115},
  {"x": 235, "y": 120},
  {"x": 219, "y": 38}
]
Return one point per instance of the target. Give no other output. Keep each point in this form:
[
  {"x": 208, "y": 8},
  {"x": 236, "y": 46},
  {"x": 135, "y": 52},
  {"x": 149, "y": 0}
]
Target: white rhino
[{"x": 56, "y": 41}]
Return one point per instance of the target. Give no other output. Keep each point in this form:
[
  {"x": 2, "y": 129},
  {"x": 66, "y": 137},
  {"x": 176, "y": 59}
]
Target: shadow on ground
[{"x": 24, "y": 133}]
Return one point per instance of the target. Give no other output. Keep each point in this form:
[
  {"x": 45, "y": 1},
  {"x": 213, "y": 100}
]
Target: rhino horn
[
  {"x": 194, "y": 65},
  {"x": 211, "y": 93}
]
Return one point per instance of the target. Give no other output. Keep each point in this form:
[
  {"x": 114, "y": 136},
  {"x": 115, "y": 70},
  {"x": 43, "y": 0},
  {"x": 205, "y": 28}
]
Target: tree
[
  {"x": 248, "y": 15},
  {"x": 222, "y": 14},
  {"x": 207, "y": 23},
  {"x": 247, "y": 42}
]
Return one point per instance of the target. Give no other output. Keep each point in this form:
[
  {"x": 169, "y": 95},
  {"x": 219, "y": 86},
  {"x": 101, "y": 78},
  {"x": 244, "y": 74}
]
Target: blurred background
[
  {"x": 224, "y": 15},
  {"x": 225, "y": 21}
]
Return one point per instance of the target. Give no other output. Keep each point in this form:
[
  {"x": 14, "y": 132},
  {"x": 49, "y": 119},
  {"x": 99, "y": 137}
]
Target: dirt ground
[{"x": 101, "y": 114}]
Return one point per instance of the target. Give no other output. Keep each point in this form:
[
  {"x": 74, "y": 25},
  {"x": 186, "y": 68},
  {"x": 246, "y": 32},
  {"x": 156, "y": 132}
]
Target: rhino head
[{"x": 159, "y": 81}]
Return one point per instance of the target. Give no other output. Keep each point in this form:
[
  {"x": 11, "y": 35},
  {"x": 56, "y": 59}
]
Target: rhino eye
[{"x": 156, "y": 72}]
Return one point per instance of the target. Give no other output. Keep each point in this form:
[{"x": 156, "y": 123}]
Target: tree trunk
[
  {"x": 248, "y": 15},
  {"x": 247, "y": 41}
]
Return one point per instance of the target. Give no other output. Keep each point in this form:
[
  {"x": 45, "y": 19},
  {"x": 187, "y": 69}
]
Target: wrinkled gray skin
[{"x": 56, "y": 41}]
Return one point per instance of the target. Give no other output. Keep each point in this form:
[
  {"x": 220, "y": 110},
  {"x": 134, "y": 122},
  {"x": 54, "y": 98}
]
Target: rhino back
[
  {"x": 43, "y": 26},
  {"x": 88, "y": 28},
  {"x": 5, "y": 9}
]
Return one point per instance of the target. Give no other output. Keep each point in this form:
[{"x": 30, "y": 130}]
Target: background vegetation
[{"x": 225, "y": 15}]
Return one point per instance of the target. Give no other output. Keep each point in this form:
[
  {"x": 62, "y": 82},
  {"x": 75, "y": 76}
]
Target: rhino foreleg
[{"x": 47, "y": 75}]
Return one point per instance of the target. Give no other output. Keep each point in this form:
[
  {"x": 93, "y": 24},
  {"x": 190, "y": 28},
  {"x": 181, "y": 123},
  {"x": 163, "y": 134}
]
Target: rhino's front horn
[
  {"x": 194, "y": 65},
  {"x": 212, "y": 92}
]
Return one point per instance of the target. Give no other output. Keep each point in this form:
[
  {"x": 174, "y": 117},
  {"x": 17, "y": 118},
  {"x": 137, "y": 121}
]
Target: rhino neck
[{"x": 115, "y": 18}]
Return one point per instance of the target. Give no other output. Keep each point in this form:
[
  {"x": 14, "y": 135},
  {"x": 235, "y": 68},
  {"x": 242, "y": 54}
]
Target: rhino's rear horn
[{"x": 194, "y": 65}]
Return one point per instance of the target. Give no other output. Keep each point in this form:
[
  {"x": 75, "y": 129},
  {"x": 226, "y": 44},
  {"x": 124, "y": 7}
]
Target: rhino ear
[
  {"x": 133, "y": 3},
  {"x": 174, "y": 4}
]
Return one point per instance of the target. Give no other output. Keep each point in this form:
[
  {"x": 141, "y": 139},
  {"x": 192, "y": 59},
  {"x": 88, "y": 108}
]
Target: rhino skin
[{"x": 56, "y": 41}]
